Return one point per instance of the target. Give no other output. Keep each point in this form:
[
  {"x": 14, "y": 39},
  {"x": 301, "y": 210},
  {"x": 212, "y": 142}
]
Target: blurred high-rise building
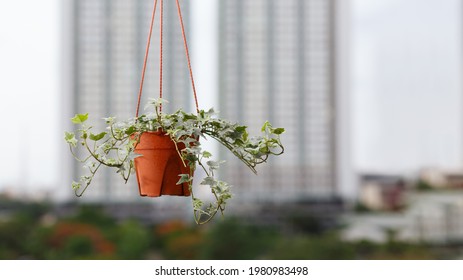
[
  {"x": 279, "y": 62},
  {"x": 105, "y": 44}
]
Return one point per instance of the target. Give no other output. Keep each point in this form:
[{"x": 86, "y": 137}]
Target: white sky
[
  {"x": 28, "y": 89},
  {"x": 406, "y": 57},
  {"x": 407, "y": 92}
]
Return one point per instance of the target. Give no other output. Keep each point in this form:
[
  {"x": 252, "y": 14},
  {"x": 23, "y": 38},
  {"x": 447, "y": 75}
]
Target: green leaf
[
  {"x": 184, "y": 178},
  {"x": 197, "y": 203},
  {"x": 78, "y": 118},
  {"x": 278, "y": 131},
  {"x": 206, "y": 154},
  {"x": 210, "y": 181},
  {"x": 241, "y": 128},
  {"x": 214, "y": 165},
  {"x": 97, "y": 137},
  {"x": 115, "y": 147},
  {"x": 76, "y": 185},
  {"x": 131, "y": 130},
  {"x": 109, "y": 120},
  {"x": 112, "y": 161},
  {"x": 70, "y": 138},
  {"x": 189, "y": 117},
  {"x": 245, "y": 136},
  {"x": 266, "y": 125},
  {"x": 156, "y": 102}
]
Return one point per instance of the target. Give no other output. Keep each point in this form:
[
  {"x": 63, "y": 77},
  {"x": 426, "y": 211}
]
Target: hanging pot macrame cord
[
  {"x": 187, "y": 54},
  {"x": 146, "y": 58},
  {"x": 161, "y": 44}
]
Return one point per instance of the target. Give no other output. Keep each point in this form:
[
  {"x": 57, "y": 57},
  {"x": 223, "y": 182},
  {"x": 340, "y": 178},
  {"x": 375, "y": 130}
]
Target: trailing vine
[{"x": 115, "y": 147}]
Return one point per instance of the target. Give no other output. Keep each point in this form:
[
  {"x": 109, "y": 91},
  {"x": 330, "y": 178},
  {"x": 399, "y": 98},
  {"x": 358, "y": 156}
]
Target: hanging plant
[
  {"x": 118, "y": 144},
  {"x": 164, "y": 150}
]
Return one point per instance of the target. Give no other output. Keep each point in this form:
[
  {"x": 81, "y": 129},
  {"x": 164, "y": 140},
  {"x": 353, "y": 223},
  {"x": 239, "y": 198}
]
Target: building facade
[{"x": 278, "y": 62}]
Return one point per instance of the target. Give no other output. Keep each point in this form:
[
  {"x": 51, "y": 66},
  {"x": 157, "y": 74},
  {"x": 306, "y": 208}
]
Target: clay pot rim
[{"x": 163, "y": 141}]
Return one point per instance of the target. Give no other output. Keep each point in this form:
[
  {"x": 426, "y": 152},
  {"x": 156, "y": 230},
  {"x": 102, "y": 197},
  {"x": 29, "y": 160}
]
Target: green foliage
[
  {"x": 422, "y": 185},
  {"x": 395, "y": 250},
  {"x": 306, "y": 224},
  {"x": 77, "y": 247},
  {"x": 89, "y": 234},
  {"x": 77, "y": 240},
  {"x": 37, "y": 246},
  {"x": 78, "y": 119},
  {"x": 70, "y": 138},
  {"x": 133, "y": 240},
  {"x": 115, "y": 148},
  {"x": 93, "y": 215},
  {"x": 230, "y": 239},
  {"x": 97, "y": 137},
  {"x": 312, "y": 247},
  {"x": 30, "y": 231},
  {"x": 176, "y": 240},
  {"x": 361, "y": 208},
  {"x": 12, "y": 236},
  {"x": 15, "y": 232}
]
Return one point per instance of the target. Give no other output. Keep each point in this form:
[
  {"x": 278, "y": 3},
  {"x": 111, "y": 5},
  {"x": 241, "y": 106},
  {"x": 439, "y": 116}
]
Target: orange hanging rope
[
  {"x": 161, "y": 54},
  {"x": 187, "y": 55},
  {"x": 146, "y": 58},
  {"x": 161, "y": 51}
]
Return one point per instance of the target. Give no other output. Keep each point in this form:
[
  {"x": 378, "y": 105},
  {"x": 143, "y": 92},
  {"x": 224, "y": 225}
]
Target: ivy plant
[{"x": 115, "y": 148}]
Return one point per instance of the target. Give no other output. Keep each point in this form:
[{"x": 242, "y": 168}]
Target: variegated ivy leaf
[
  {"x": 75, "y": 185},
  {"x": 79, "y": 118},
  {"x": 90, "y": 165},
  {"x": 189, "y": 141},
  {"x": 70, "y": 138},
  {"x": 156, "y": 102},
  {"x": 210, "y": 181},
  {"x": 184, "y": 178},
  {"x": 97, "y": 137},
  {"x": 211, "y": 208},
  {"x": 116, "y": 148},
  {"x": 214, "y": 165},
  {"x": 197, "y": 204},
  {"x": 278, "y": 130},
  {"x": 109, "y": 120},
  {"x": 111, "y": 161},
  {"x": 194, "y": 150},
  {"x": 130, "y": 130},
  {"x": 206, "y": 154}
]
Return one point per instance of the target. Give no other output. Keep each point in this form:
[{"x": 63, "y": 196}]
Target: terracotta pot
[{"x": 159, "y": 166}]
